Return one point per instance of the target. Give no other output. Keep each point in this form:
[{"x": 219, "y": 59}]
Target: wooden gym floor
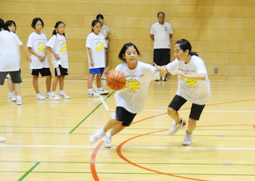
[{"x": 49, "y": 140}]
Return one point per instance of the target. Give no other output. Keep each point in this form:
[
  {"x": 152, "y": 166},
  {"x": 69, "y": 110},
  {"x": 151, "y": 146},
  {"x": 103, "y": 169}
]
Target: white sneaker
[
  {"x": 2, "y": 139},
  {"x": 54, "y": 96},
  {"x": 47, "y": 95},
  {"x": 176, "y": 127},
  {"x": 107, "y": 140},
  {"x": 101, "y": 91},
  {"x": 13, "y": 97},
  {"x": 96, "y": 136},
  {"x": 19, "y": 100},
  {"x": 39, "y": 96},
  {"x": 64, "y": 96},
  {"x": 164, "y": 78},
  {"x": 94, "y": 94},
  {"x": 187, "y": 139},
  {"x": 10, "y": 94}
]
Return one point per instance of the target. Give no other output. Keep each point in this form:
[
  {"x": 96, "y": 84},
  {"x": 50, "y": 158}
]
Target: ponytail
[
  {"x": 185, "y": 45},
  {"x": 56, "y": 26}
]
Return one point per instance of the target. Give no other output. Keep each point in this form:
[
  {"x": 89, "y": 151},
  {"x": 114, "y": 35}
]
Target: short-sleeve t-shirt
[
  {"x": 132, "y": 97},
  {"x": 58, "y": 45},
  {"x": 9, "y": 51},
  {"x": 195, "y": 91},
  {"x": 161, "y": 34},
  {"x": 38, "y": 43},
  {"x": 104, "y": 30},
  {"x": 97, "y": 45}
]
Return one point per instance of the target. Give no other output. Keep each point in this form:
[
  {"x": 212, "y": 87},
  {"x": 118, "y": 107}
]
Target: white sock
[
  {"x": 109, "y": 134},
  {"x": 61, "y": 91}
]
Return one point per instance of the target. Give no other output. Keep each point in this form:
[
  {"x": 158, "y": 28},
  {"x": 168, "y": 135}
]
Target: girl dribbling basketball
[{"x": 131, "y": 99}]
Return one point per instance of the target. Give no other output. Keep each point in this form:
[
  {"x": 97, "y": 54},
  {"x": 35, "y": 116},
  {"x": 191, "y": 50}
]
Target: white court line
[
  {"x": 130, "y": 147},
  {"x": 213, "y": 111}
]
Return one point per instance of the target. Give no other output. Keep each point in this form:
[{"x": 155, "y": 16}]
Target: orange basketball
[{"x": 116, "y": 80}]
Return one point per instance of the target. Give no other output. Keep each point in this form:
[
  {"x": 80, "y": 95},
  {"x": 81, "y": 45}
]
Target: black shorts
[
  {"x": 196, "y": 110},
  {"x": 124, "y": 116},
  {"x": 60, "y": 71},
  {"x": 15, "y": 75},
  {"x": 43, "y": 72},
  {"x": 161, "y": 56}
]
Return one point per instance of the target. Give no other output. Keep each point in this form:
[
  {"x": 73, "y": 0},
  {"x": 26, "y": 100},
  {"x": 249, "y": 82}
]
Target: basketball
[{"x": 116, "y": 80}]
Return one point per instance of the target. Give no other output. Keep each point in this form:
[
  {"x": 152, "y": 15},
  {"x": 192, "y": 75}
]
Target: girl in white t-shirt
[
  {"x": 96, "y": 46},
  {"x": 39, "y": 62},
  {"x": 14, "y": 77},
  {"x": 57, "y": 46},
  {"x": 193, "y": 85},
  {"x": 131, "y": 99}
]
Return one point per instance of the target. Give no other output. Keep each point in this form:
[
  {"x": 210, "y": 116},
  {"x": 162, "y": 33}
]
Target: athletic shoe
[
  {"x": 164, "y": 78},
  {"x": 13, "y": 97},
  {"x": 11, "y": 94},
  {"x": 2, "y": 139},
  {"x": 157, "y": 80},
  {"x": 19, "y": 100},
  {"x": 47, "y": 95},
  {"x": 54, "y": 96},
  {"x": 101, "y": 91},
  {"x": 39, "y": 96},
  {"x": 107, "y": 140},
  {"x": 94, "y": 94},
  {"x": 176, "y": 127},
  {"x": 64, "y": 96},
  {"x": 97, "y": 135},
  {"x": 187, "y": 139}
]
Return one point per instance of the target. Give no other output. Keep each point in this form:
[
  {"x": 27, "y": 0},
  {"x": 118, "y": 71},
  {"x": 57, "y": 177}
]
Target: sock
[
  {"x": 61, "y": 91},
  {"x": 109, "y": 134}
]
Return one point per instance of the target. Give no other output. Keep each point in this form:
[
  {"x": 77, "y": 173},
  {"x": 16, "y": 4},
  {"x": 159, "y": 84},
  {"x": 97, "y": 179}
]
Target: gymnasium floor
[{"x": 49, "y": 140}]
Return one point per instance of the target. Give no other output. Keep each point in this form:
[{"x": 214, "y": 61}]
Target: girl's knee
[{"x": 171, "y": 111}]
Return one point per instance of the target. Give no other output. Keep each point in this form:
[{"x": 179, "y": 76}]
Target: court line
[
  {"x": 129, "y": 147},
  {"x": 95, "y": 173},
  {"x": 93, "y": 160},
  {"x": 29, "y": 171},
  {"x": 90, "y": 114}
]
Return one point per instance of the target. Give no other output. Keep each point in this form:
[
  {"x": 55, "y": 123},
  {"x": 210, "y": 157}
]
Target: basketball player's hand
[
  {"x": 92, "y": 63},
  {"x": 106, "y": 71},
  {"x": 162, "y": 70},
  {"x": 41, "y": 58}
]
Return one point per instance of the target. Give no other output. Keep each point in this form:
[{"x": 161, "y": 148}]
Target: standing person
[
  {"x": 57, "y": 46},
  {"x": 11, "y": 26},
  {"x": 131, "y": 99},
  {"x": 10, "y": 59},
  {"x": 161, "y": 33},
  {"x": 36, "y": 44},
  {"x": 193, "y": 85},
  {"x": 96, "y": 46},
  {"x": 106, "y": 32}
]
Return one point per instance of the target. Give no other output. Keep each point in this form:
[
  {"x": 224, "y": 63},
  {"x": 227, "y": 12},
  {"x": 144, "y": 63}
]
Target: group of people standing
[{"x": 193, "y": 82}]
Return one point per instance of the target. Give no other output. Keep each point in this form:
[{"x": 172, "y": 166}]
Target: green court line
[
  {"x": 29, "y": 171},
  {"x": 89, "y": 114}
]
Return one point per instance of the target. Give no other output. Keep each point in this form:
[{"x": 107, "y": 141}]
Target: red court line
[
  {"x": 189, "y": 108},
  {"x": 93, "y": 157},
  {"x": 92, "y": 162},
  {"x": 145, "y": 168}
]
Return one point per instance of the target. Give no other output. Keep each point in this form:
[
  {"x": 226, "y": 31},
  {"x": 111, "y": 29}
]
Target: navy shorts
[
  {"x": 96, "y": 71},
  {"x": 60, "y": 71},
  {"x": 43, "y": 72},
  {"x": 124, "y": 116},
  {"x": 196, "y": 110}
]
